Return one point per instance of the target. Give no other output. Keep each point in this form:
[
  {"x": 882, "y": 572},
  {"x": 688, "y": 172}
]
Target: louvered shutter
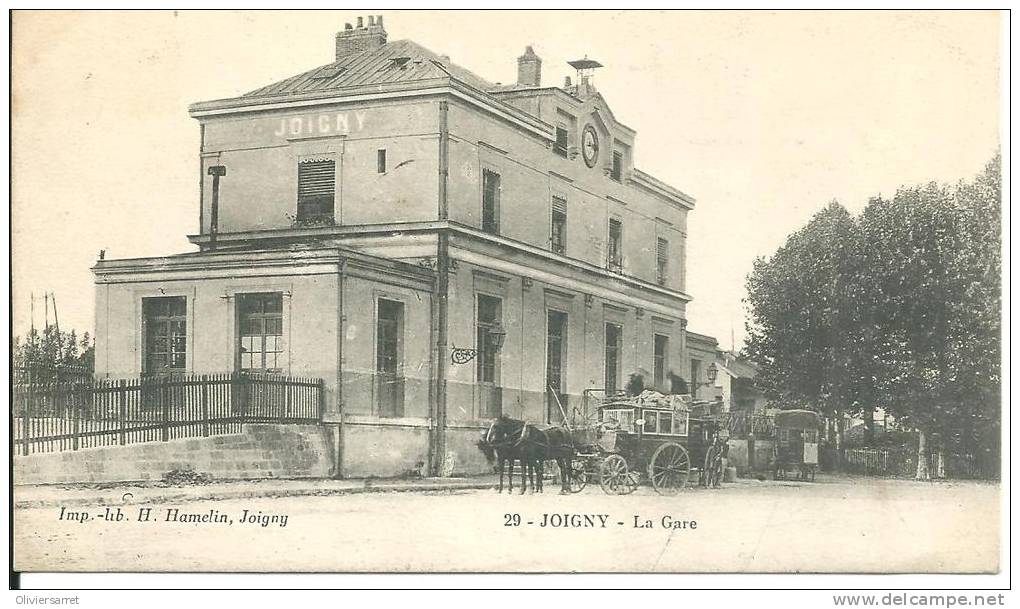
[
  {"x": 316, "y": 187},
  {"x": 662, "y": 260},
  {"x": 559, "y": 205},
  {"x": 316, "y": 179}
]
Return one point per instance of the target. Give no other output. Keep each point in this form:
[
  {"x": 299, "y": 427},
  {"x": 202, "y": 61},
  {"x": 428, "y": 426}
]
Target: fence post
[
  {"x": 321, "y": 387},
  {"x": 286, "y": 407},
  {"x": 76, "y": 412},
  {"x": 25, "y": 418},
  {"x": 205, "y": 405},
  {"x": 122, "y": 410},
  {"x": 164, "y": 389}
]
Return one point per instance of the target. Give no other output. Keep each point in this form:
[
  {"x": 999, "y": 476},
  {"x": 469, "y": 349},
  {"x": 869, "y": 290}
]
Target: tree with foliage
[
  {"x": 898, "y": 308},
  {"x": 932, "y": 274},
  {"x": 801, "y": 327},
  {"x": 51, "y": 350}
]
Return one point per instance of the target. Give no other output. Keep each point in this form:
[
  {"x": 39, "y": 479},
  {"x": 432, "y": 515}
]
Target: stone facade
[
  {"x": 259, "y": 451},
  {"x": 474, "y": 210}
]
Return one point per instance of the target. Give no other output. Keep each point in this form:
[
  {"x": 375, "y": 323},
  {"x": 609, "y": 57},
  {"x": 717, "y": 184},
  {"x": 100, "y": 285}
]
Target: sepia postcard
[{"x": 507, "y": 292}]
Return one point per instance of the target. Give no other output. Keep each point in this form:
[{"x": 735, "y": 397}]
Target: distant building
[
  {"x": 736, "y": 378},
  {"x": 439, "y": 248}
]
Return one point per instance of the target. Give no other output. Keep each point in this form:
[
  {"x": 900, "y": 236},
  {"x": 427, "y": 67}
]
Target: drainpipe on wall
[
  {"x": 338, "y": 469},
  {"x": 216, "y": 171},
  {"x": 438, "y": 452}
]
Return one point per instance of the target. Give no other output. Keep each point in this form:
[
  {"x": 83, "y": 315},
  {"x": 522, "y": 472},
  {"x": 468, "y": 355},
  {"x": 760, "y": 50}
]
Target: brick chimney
[
  {"x": 529, "y": 69},
  {"x": 361, "y": 38}
]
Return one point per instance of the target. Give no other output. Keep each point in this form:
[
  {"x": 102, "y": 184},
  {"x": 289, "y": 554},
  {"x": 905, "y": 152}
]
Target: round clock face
[{"x": 590, "y": 145}]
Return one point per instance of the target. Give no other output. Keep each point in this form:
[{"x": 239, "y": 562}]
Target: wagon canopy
[{"x": 798, "y": 419}]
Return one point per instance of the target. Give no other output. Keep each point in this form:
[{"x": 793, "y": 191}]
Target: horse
[
  {"x": 550, "y": 444},
  {"x": 500, "y": 445}
]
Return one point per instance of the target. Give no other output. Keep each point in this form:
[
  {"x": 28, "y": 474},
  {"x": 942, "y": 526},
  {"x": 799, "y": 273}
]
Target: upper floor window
[
  {"x": 261, "y": 346},
  {"x": 558, "y": 228},
  {"x": 562, "y": 141},
  {"x": 661, "y": 261},
  {"x": 380, "y": 161},
  {"x": 616, "y": 172},
  {"x": 490, "y": 201},
  {"x": 316, "y": 190},
  {"x": 615, "y": 249}
]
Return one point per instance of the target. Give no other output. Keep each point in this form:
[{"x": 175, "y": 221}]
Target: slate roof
[{"x": 397, "y": 61}]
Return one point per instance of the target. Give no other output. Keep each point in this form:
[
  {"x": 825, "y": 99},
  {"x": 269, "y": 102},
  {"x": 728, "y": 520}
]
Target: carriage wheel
[
  {"x": 578, "y": 477},
  {"x": 613, "y": 475},
  {"x": 669, "y": 468}
]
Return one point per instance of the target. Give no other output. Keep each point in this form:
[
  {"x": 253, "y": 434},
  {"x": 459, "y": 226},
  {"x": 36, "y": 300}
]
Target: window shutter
[
  {"x": 316, "y": 179},
  {"x": 559, "y": 205},
  {"x": 662, "y": 250}
]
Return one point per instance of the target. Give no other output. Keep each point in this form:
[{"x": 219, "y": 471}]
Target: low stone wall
[
  {"x": 384, "y": 448},
  {"x": 739, "y": 457},
  {"x": 259, "y": 451}
]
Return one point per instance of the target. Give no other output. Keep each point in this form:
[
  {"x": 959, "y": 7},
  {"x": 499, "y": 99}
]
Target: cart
[
  {"x": 796, "y": 447},
  {"x": 635, "y": 436}
]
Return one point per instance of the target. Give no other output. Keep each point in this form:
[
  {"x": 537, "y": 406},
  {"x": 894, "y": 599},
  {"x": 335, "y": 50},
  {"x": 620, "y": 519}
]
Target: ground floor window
[
  {"x": 261, "y": 345},
  {"x": 166, "y": 334},
  {"x": 389, "y": 337},
  {"x": 661, "y": 362},
  {"x": 489, "y": 315},
  {"x": 556, "y": 361},
  {"x": 614, "y": 340}
]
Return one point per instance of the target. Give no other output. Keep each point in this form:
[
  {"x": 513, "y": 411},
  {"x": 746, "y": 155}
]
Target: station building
[{"x": 439, "y": 248}]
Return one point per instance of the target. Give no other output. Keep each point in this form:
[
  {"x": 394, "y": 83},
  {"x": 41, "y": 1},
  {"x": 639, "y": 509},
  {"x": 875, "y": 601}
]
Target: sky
[{"x": 763, "y": 117}]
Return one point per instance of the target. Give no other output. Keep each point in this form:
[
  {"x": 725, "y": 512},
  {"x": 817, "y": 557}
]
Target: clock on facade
[{"x": 590, "y": 145}]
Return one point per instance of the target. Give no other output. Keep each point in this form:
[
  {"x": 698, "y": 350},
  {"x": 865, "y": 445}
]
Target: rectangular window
[
  {"x": 661, "y": 261},
  {"x": 316, "y": 190},
  {"x": 558, "y": 228},
  {"x": 562, "y": 139},
  {"x": 261, "y": 347},
  {"x": 166, "y": 334},
  {"x": 661, "y": 363},
  {"x": 556, "y": 361},
  {"x": 490, "y": 314},
  {"x": 617, "y": 171},
  {"x": 695, "y": 375},
  {"x": 388, "y": 365},
  {"x": 623, "y": 417},
  {"x": 490, "y": 201},
  {"x": 380, "y": 161},
  {"x": 680, "y": 423},
  {"x": 615, "y": 252},
  {"x": 614, "y": 345}
]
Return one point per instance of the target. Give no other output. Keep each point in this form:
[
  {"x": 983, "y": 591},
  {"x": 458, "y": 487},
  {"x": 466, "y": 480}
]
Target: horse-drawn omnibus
[
  {"x": 622, "y": 438},
  {"x": 796, "y": 447}
]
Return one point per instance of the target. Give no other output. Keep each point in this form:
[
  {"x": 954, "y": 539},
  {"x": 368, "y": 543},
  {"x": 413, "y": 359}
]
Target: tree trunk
[{"x": 922, "y": 458}]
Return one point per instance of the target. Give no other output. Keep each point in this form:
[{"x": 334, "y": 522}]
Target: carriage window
[
  {"x": 784, "y": 435},
  {"x": 651, "y": 422},
  {"x": 680, "y": 423},
  {"x": 623, "y": 416},
  {"x": 810, "y": 435}
]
